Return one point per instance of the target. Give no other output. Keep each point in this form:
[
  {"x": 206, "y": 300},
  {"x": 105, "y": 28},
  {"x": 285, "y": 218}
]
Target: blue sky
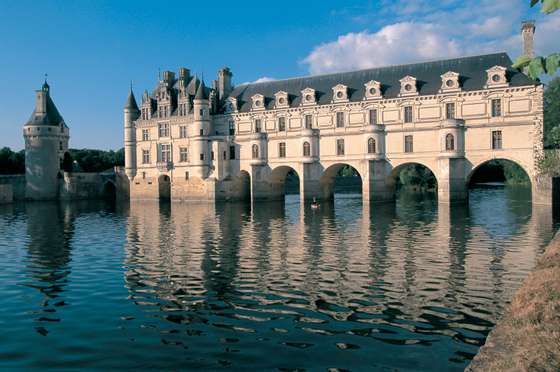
[{"x": 92, "y": 49}]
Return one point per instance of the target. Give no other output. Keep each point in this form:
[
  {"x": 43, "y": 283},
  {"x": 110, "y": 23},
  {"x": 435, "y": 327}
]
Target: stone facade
[{"x": 189, "y": 142}]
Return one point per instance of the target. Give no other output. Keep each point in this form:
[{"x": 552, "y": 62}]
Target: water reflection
[{"x": 412, "y": 285}]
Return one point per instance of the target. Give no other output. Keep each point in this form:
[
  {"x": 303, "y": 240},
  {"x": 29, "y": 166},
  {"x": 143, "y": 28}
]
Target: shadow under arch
[
  {"x": 340, "y": 178},
  {"x": 413, "y": 176},
  {"x": 284, "y": 180},
  {"x": 109, "y": 191},
  {"x": 500, "y": 170},
  {"x": 164, "y": 187},
  {"x": 242, "y": 186}
]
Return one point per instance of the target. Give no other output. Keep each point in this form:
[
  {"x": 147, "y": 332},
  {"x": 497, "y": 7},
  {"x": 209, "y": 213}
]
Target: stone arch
[
  {"x": 329, "y": 176},
  {"x": 109, "y": 190},
  {"x": 164, "y": 187},
  {"x": 476, "y": 167},
  {"x": 395, "y": 173},
  {"x": 277, "y": 179},
  {"x": 242, "y": 186}
]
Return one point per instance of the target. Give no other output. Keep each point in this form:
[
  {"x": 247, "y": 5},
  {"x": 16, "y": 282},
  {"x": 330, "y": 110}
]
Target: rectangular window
[
  {"x": 340, "y": 119},
  {"x": 282, "y": 124},
  {"x": 201, "y": 156},
  {"x": 450, "y": 110},
  {"x": 340, "y": 147},
  {"x": 224, "y": 155},
  {"x": 308, "y": 121},
  {"x": 373, "y": 117},
  {"x": 257, "y": 125},
  {"x": 186, "y": 175},
  {"x": 212, "y": 155},
  {"x": 282, "y": 150},
  {"x": 496, "y": 108},
  {"x": 183, "y": 131},
  {"x": 183, "y": 155},
  {"x": 408, "y": 114},
  {"x": 143, "y": 175},
  {"x": 202, "y": 132},
  {"x": 408, "y": 145},
  {"x": 145, "y": 156},
  {"x": 496, "y": 139},
  {"x": 231, "y": 128},
  {"x": 232, "y": 152},
  {"x": 165, "y": 153},
  {"x": 164, "y": 129},
  {"x": 145, "y": 134}
]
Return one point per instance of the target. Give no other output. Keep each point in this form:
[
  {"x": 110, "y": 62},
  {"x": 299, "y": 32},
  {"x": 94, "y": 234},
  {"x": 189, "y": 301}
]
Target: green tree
[
  {"x": 541, "y": 65},
  {"x": 12, "y": 162},
  {"x": 552, "y": 114}
]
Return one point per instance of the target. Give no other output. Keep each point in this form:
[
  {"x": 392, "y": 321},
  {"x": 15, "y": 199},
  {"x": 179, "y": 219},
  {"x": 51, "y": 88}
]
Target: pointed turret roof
[
  {"x": 201, "y": 91},
  {"x": 131, "y": 102},
  {"x": 50, "y": 116}
]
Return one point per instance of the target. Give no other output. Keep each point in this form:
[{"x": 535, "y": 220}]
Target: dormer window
[
  {"x": 340, "y": 93},
  {"x": 281, "y": 99},
  {"x": 372, "y": 89},
  {"x": 496, "y": 77},
  {"x": 408, "y": 86},
  {"x": 308, "y": 97},
  {"x": 450, "y": 82},
  {"x": 258, "y": 101}
]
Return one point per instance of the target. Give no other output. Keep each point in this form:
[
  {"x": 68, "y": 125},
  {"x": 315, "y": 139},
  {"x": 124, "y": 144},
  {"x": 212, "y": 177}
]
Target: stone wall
[{"x": 12, "y": 188}]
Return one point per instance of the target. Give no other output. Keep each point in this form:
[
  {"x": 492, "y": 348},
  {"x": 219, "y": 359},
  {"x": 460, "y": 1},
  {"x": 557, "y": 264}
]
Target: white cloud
[
  {"x": 263, "y": 79},
  {"x": 448, "y": 28}
]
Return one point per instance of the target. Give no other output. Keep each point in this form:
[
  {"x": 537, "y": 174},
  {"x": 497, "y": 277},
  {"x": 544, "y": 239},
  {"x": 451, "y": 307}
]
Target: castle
[{"x": 187, "y": 141}]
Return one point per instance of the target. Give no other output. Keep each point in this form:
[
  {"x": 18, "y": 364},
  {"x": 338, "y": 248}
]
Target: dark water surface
[{"x": 405, "y": 286}]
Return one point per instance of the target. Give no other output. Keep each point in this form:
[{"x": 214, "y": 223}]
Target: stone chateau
[{"x": 187, "y": 141}]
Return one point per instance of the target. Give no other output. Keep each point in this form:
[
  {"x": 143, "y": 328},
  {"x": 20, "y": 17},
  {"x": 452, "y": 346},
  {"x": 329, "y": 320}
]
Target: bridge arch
[
  {"x": 505, "y": 161},
  {"x": 164, "y": 187},
  {"x": 334, "y": 171},
  {"x": 109, "y": 190},
  {"x": 422, "y": 177},
  {"x": 278, "y": 180}
]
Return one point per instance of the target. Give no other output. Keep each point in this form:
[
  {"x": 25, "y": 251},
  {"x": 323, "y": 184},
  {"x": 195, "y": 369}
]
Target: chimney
[
  {"x": 184, "y": 73},
  {"x": 224, "y": 83},
  {"x": 168, "y": 76},
  {"x": 528, "y": 34}
]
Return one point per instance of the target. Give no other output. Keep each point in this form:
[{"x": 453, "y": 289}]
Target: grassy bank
[{"x": 527, "y": 338}]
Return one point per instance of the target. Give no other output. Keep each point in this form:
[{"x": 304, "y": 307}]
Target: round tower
[
  {"x": 46, "y": 139},
  {"x": 131, "y": 113},
  {"x": 200, "y": 130}
]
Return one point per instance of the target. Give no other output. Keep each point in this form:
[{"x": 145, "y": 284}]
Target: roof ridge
[{"x": 378, "y": 68}]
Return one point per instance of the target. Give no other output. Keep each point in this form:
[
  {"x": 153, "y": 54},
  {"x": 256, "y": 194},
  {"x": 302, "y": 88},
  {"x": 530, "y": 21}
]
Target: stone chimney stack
[
  {"x": 224, "y": 83},
  {"x": 528, "y": 34}
]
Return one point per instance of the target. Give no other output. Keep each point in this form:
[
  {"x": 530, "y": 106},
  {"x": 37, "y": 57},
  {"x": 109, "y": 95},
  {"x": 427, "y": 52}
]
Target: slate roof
[
  {"x": 472, "y": 76},
  {"x": 52, "y": 117},
  {"x": 131, "y": 102}
]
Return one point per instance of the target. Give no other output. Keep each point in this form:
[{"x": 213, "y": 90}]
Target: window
[
  {"x": 165, "y": 153},
  {"x": 373, "y": 117},
  {"x": 340, "y": 147},
  {"x": 145, "y": 134},
  {"x": 340, "y": 119},
  {"x": 201, "y": 112},
  {"x": 164, "y": 129},
  {"x": 60, "y": 145},
  {"x": 449, "y": 142},
  {"x": 496, "y": 139},
  {"x": 308, "y": 121},
  {"x": 282, "y": 124},
  {"x": 202, "y": 132},
  {"x": 212, "y": 155},
  {"x": 232, "y": 152},
  {"x": 371, "y": 146},
  {"x": 282, "y": 150},
  {"x": 231, "y": 128},
  {"x": 186, "y": 175},
  {"x": 183, "y": 155},
  {"x": 255, "y": 151},
  {"x": 183, "y": 131},
  {"x": 257, "y": 125},
  {"x": 450, "y": 110},
  {"x": 496, "y": 108},
  {"x": 145, "y": 156},
  {"x": 408, "y": 144},
  {"x": 201, "y": 156},
  {"x": 306, "y": 149},
  {"x": 408, "y": 114},
  {"x": 143, "y": 175},
  {"x": 224, "y": 155}
]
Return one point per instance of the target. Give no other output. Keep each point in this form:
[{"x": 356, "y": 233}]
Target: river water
[{"x": 405, "y": 286}]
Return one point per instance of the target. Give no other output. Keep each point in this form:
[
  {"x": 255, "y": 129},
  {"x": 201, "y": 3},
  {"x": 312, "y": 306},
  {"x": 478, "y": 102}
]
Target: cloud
[
  {"x": 398, "y": 43},
  {"x": 263, "y": 79},
  {"x": 426, "y": 30}
]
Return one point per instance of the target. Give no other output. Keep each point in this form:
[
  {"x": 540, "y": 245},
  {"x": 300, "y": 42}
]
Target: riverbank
[{"x": 527, "y": 338}]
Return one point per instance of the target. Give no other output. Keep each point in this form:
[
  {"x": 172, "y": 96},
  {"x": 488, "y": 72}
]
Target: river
[{"x": 406, "y": 286}]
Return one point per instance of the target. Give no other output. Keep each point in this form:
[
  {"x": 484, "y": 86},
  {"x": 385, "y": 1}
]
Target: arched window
[
  {"x": 306, "y": 149},
  {"x": 449, "y": 142},
  {"x": 371, "y": 146},
  {"x": 255, "y": 151}
]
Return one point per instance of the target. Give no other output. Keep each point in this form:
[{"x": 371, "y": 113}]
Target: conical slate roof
[
  {"x": 201, "y": 91},
  {"x": 131, "y": 102},
  {"x": 51, "y": 117}
]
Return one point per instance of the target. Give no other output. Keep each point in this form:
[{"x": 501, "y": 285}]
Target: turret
[
  {"x": 200, "y": 129},
  {"x": 46, "y": 139},
  {"x": 131, "y": 113}
]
